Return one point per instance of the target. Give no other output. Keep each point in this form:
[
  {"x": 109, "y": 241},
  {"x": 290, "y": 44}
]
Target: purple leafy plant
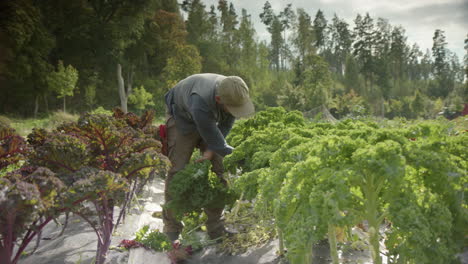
[{"x": 103, "y": 160}]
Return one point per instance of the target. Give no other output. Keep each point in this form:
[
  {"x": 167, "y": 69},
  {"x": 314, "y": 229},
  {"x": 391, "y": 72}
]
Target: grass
[{"x": 25, "y": 126}]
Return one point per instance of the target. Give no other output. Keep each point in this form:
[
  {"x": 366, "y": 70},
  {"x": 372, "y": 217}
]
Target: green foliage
[
  {"x": 25, "y": 126},
  {"x": 350, "y": 105},
  {"x": 185, "y": 61},
  {"x": 153, "y": 239},
  {"x": 141, "y": 98},
  {"x": 194, "y": 221},
  {"x": 59, "y": 117},
  {"x": 315, "y": 81},
  {"x": 90, "y": 95},
  {"x": 157, "y": 48},
  {"x": 197, "y": 187},
  {"x": 63, "y": 81},
  {"x": 101, "y": 111},
  {"x": 5, "y": 121},
  {"x": 244, "y": 128},
  {"x": 312, "y": 177},
  {"x": 25, "y": 62}
]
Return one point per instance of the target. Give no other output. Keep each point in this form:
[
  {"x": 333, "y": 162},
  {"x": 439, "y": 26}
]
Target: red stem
[
  {"x": 27, "y": 240},
  {"x": 103, "y": 142},
  {"x": 91, "y": 224},
  {"x": 136, "y": 170},
  {"x": 58, "y": 164}
]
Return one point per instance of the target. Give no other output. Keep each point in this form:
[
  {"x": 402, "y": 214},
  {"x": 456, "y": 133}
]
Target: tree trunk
[
  {"x": 64, "y": 107},
  {"x": 122, "y": 94},
  {"x": 129, "y": 82},
  {"x": 332, "y": 243},
  {"x": 36, "y": 106},
  {"x": 383, "y": 107},
  {"x": 46, "y": 103}
]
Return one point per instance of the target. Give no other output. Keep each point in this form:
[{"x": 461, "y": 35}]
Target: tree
[
  {"x": 204, "y": 32},
  {"x": 363, "y": 47},
  {"x": 185, "y": 61},
  {"x": 25, "y": 48},
  {"x": 466, "y": 59},
  {"x": 413, "y": 67},
  {"x": 426, "y": 65},
  {"x": 286, "y": 17},
  {"x": 341, "y": 41},
  {"x": 315, "y": 82},
  {"x": 63, "y": 81},
  {"x": 196, "y": 23},
  {"x": 123, "y": 24},
  {"x": 320, "y": 30},
  {"x": 273, "y": 24},
  {"x": 441, "y": 65},
  {"x": 228, "y": 17},
  {"x": 303, "y": 35},
  {"x": 115, "y": 36},
  {"x": 90, "y": 90},
  {"x": 141, "y": 98},
  {"x": 228, "y": 22},
  {"x": 418, "y": 105},
  {"x": 352, "y": 78},
  {"x": 439, "y": 52},
  {"x": 381, "y": 65},
  {"x": 245, "y": 35}
]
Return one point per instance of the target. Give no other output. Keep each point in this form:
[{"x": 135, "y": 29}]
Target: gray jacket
[{"x": 192, "y": 104}]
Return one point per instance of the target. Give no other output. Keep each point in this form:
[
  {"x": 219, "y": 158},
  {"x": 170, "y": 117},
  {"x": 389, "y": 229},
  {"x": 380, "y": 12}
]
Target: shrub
[
  {"x": 60, "y": 117},
  {"x": 153, "y": 239},
  {"x": 4, "y": 121},
  {"x": 101, "y": 110}
]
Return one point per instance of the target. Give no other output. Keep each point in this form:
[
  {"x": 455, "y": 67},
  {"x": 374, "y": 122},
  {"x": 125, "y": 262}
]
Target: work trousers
[{"x": 180, "y": 149}]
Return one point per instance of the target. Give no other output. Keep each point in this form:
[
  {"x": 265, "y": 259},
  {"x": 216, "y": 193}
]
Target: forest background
[{"x": 80, "y": 55}]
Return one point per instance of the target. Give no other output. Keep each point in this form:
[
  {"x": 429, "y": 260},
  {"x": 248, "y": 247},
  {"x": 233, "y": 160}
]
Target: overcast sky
[{"x": 419, "y": 18}]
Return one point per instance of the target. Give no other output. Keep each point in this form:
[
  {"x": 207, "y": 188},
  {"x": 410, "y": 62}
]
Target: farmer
[{"x": 201, "y": 111}]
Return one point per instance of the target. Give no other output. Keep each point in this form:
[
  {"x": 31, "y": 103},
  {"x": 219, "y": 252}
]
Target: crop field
[{"x": 401, "y": 183}]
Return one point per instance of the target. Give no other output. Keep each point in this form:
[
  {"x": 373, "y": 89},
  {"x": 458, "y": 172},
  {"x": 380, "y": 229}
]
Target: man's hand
[{"x": 207, "y": 155}]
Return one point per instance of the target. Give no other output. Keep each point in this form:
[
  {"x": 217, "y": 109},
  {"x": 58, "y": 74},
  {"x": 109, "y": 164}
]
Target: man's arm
[
  {"x": 226, "y": 123},
  {"x": 207, "y": 127}
]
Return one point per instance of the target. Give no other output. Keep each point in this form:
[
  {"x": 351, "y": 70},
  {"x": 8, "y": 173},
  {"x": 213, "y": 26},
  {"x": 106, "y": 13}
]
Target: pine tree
[
  {"x": 426, "y": 65},
  {"x": 320, "y": 30},
  {"x": 245, "y": 36},
  {"x": 439, "y": 52},
  {"x": 286, "y": 17},
  {"x": 413, "y": 67},
  {"x": 363, "y": 47},
  {"x": 196, "y": 22},
  {"x": 441, "y": 67},
  {"x": 303, "y": 35},
  {"x": 341, "y": 41},
  {"x": 229, "y": 22},
  {"x": 398, "y": 55},
  {"x": 273, "y": 24}
]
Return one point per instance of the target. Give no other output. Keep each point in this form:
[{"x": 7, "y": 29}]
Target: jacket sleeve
[
  {"x": 207, "y": 127},
  {"x": 226, "y": 123}
]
